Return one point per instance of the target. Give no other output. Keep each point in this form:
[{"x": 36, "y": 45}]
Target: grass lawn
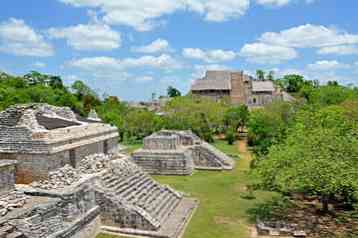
[
  {"x": 130, "y": 148},
  {"x": 222, "y": 212}
]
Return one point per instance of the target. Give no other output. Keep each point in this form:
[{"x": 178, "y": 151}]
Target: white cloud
[
  {"x": 200, "y": 70},
  {"x": 39, "y": 64},
  {"x": 209, "y": 56},
  {"x": 102, "y": 64},
  {"x": 143, "y": 15},
  {"x": 339, "y": 50},
  {"x": 88, "y": 37},
  {"x": 326, "y": 65},
  {"x": 309, "y": 36},
  {"x": 279, "y": 3},
  {"x": 219, "y": 11},
  {"x": 267, "y": 54},
  {"x": 144, "y": 78},
  {"x": 156, "y": 46},
  {"x": 19, "y": 39}
]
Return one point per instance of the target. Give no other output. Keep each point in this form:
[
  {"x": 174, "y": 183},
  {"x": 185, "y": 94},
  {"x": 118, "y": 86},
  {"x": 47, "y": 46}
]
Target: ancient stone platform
[
  {"x": 84, "y": 186},
  {"x": 179, "y": 153},
  {"x": 41, "y": 138}
]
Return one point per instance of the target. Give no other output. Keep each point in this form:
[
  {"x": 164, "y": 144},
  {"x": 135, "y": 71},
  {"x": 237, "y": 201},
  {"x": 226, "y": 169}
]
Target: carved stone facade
[
  {"x": 179, "y": 153},
  {"x": 239, "y": 88}
]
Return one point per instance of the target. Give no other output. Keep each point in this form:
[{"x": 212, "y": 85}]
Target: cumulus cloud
[
  {"x": 309, "y": 36},
  {"x": 156, "y": 46},
  {"x": 339, "y": 50},
  {"x": 327, "y": 65},
  {"x": 17, "y": 38},
  {"x": 165, "y": 62},
  {"x": 219, "y": 11},
  {"x": 144, "y": 15},
  {"x": 267, "y": 54},
  {"x": 276, "y": 47},
  {"x": 88, "y": 37},
  {"x": 280, "y": 3},
  {"x": 39, "y": 64},
  {"x": 209, "y": 56}
]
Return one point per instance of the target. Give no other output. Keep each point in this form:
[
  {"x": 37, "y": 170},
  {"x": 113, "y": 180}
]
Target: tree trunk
[{"x": 325, "y": 204}]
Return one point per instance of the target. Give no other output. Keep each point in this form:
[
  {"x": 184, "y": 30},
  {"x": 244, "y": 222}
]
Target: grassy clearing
[
  {"x": 130, "y": 148},
  {"x": 222, "y": 211}
]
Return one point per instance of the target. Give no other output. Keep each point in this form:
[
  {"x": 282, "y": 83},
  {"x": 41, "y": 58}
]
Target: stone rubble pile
[
  {"x": 10, "y": 201},
  {"x": 60, "y": 178},
  {"x": 94, "y": 163}
]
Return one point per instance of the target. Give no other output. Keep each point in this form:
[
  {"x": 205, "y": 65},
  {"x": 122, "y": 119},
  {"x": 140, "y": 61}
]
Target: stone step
[
  {"x": 135, "y": 188},
  {"x": 133, "y": 193},
  {"x": 124, "y": 190},
  {"x": 162, "y": 204},
  {"x": 168, "y": 208},
  {"x": 152, "y": 195},
  {"x": 147, "y": 193},
  {"x": 143, "y": 191},
  {"x": 155, "y": 203}
]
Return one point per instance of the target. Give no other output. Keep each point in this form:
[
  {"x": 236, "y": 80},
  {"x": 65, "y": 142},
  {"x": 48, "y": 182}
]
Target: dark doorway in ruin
[
  {"x": 73, "y": 158},
  {"x": 105, "y": 147}
]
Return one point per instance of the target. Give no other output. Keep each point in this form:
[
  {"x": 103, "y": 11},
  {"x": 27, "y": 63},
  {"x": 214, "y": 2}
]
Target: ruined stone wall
[
  {"x": 165, "y": 162},
  {"x": 7, "y": 176},
  {"x": 238, "y": 92},
  {"x": 33, "y": 167},
  {"x": 158, "y": 142},
  {"x": 75, "y": 213},
  {"x": 115, "y": 213},
  {"x": 216, "y": 95}
]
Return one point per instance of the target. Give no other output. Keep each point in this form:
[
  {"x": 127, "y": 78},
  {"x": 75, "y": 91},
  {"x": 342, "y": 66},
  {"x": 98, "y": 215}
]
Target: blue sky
[{"x": 132, "y": 48}]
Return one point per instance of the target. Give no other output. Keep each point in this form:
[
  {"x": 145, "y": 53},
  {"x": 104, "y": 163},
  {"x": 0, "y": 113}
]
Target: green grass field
[{"x": 222, "y": 211}]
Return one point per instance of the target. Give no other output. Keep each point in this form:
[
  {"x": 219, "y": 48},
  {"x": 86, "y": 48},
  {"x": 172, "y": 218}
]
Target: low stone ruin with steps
[
  {"x": 179, "y": 153},
  {"x": 98, "y": 193}
]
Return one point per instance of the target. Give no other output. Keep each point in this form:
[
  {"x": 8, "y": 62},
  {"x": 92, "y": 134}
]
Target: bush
[{"x": 230, "y": 136}]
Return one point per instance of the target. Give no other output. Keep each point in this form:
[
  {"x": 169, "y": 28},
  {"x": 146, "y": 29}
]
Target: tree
[
  {"x": 319, "y": 157},
  {"x": 237, "y": 117},
  {"x": 260, "y": 74},
  {"x": 269, "y": 125},
  {"x": 81, "y": 90},
  {"x": 271, "y": 76},
  {"x": 293, "y": 82},
  {"x": 202, "y": 115},
  {"x": 230, "y": 135},
  {"x": 173, "y": 92}
]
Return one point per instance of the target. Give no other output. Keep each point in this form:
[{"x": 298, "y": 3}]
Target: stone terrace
[{"x": 179, "y": 153}]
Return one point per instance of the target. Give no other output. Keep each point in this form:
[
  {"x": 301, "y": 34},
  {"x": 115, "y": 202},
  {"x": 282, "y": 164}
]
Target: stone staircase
[
  {"x": 131, "y": 186},
  {"x": 216, "y": 155}
]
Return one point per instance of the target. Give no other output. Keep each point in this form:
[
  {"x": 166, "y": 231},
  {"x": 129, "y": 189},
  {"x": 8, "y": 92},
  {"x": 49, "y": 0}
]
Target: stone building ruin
[
  {"x": 101, "y": 193},
  {"x": 239, "y": 88},
  {"x": 42, "y": 138},
  {"x": 179, "y": 153}
]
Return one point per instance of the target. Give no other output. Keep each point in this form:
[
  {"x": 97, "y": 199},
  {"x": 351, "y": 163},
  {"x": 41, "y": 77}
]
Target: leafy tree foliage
[
  {"x": 173, "y": 92},
  {"x": 319, "y": 157},
  {"x": 203, "y": 116},
  {"x": 236, "y": 117},
  {"x": 260, "y": 74},
  {"x": 269, "y": 125}
]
